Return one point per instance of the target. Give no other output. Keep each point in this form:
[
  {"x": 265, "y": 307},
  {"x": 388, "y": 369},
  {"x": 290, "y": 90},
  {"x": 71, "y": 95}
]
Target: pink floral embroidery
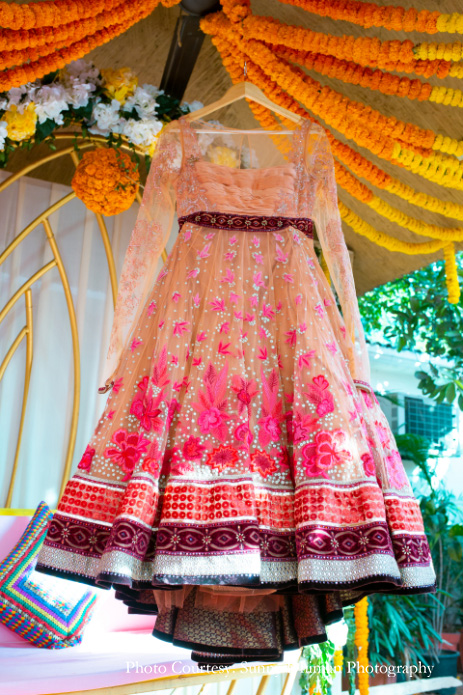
[
  {"x": 244, "y": 434},
  {"x": 196, "y": 300},
  {"x": 383, "y": 434},
  {"x": 152, "y": 308},
  {"x": 272, "y": 409},
  {"x": 319, "y": 396},
  {"x": 254, "y": 301},
  {"x": 332, "y": 347},
  {"x": 192, "y": 274},
  {"x": 204, "y": 253},
  {"x": 159, "y": 377},
  {"x": 368, "y": 464},
  {"x": 280, "y": 256},
  {"x": 118, "y": 385},
  {"x": 259, "y": 259},
  {"x": 172, "y": 465},
  {"x": 234, "y": 298},
  {"x": 324, "y": 453},
  {"x": 245, "y": 391},
  {"x": 229, "y": 276},
  {"x": 151, "y": 462},
  {"x": 218, "y": 304},
  {"x": 110, "y": 414},
  {"x": 225, "y": 327},
  {"x": 147, "y": 411},
  {"x": 284, "y": 461},
  {"x": 174, "y": 407},
  {"x": 86, "y": 460},
  {"x": 395, "y": 471},
  {"x": 223, "y": 348},
  {"x": 257, "y": 280},
  {"x": 303, "y": 426},
  {"x": 287, "y": 277},
  {"x": 262, "y": 354},
  {"x": 131, "y": 447},
  {"x": 200, "y": 337},
  {"x": 212, "y": 405},
  {"x": 292, "y": 336},
  {"x": 320, "y": 311},
  {"x": 223, "y": 457},
  {"x": 262, "y": 463},
  {"x": 367, "y": 399},
  {"x": 305, "y": 359},
  {"x": 193, "y": 449},
  {"x": 181, "y": 327},
  {"x": 135, "y": 344},
  {"x": 267, "y": 311},
  {"x": 176, "y": 296}
]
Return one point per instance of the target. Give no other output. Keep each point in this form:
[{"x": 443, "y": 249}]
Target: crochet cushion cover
[{"x": 46, "y": 611}]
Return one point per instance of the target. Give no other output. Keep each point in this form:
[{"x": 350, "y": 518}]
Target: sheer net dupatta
[
  {"x": 149, "y": 237},
  {"x": 325, "y": 212}
]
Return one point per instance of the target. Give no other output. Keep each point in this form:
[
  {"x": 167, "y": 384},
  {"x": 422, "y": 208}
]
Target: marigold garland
[
  {"x": 338, "y": 660},
  {"x": 106, "y": 181},
  {"x": 376, "y": 80},
  {"x": 233, "y": 60},
  {"x": 54, "y": 13},
  {"x": 367, "y": 14},
  {"x": 390, "y": 139},
  {"x": 392, "y": 244},
  {"x": 401, "y": 56},
  {"x": 451, "y": 274},
  {"x": 114, "y": 20},
  {"x": 361, "y": 642}
]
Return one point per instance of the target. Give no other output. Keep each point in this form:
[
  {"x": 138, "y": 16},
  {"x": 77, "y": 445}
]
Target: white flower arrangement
[{"x": 107, "y": 103}]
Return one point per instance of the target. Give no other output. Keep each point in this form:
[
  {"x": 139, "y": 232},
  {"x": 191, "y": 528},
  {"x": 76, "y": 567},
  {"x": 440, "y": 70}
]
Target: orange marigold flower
[{"x": 106, "y": 181}]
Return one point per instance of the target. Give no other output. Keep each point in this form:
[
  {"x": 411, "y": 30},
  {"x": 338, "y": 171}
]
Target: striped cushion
[{"x": 46, "y": 611}]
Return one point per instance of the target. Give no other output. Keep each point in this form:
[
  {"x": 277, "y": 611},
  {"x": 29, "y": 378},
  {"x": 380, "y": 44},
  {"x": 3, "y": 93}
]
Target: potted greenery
[
  {"x": 400, "y": 631},
  {"x": 443, "y": 522}
]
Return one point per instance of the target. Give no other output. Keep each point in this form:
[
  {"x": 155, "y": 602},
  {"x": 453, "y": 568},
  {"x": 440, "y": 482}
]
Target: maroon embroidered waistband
[{"x": 247, "y": 223}]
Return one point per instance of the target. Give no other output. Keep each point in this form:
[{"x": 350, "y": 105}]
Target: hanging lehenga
[{"x": 242, "y": 483}]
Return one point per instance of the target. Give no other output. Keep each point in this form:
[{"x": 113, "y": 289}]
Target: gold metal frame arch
[{"x": 25, "y": 291}]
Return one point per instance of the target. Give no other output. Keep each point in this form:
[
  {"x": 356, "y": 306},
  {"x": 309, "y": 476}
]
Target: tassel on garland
[
  {"x": 361, "y": 641},
  {"x": 451, "y": 274},
  {"x": 338, "y": 660}
]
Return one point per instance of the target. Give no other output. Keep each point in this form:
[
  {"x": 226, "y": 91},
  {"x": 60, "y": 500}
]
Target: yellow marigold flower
[
  {"x": 106, "y": 181},
  {"x": 224, "y": 156},
  {"x": 119, "y": 84},
  {"x": 21, "y": 124}
]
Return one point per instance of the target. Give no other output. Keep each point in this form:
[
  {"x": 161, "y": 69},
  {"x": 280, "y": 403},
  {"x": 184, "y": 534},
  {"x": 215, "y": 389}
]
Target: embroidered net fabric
[
  {"x": 242, "y": 482},
  {"x": 306, "y": 189}
]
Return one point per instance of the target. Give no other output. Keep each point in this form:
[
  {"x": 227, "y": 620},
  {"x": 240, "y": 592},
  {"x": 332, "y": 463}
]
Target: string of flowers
[
  {"x": 30, "y": 44},
  {"x": 233, "y": 59},
  {"x": 117, "y": 19},
  {"x": 361, "y": 642},
  {"x": 361, "y": 192},
  {"x": 367, "y": 14},
  {"x": 392, "y": 244},
  {"x": 392, "y": 55},
  {"x": 375, "y": 80},
  {"x": 367, "y": 170},
  {"x": 53, "y": 13},
  {"x": 362, "y": 124}
]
